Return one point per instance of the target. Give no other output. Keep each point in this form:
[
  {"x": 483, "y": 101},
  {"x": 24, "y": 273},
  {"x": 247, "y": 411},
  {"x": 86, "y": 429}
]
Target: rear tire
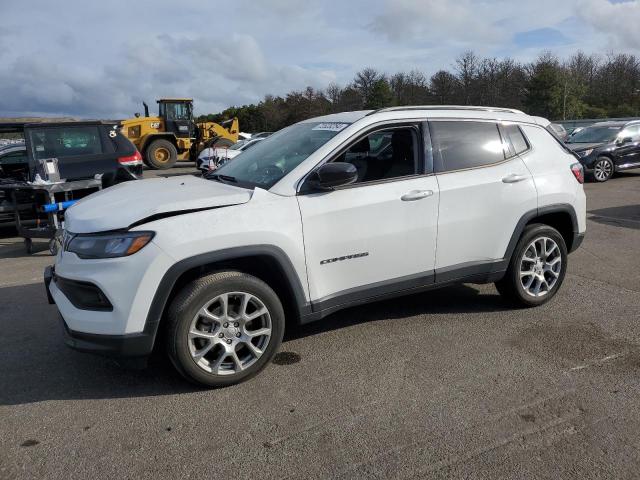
[
  {"x": 537, "y": 267},
  {"x": 212, "y": 339},
  {"x": 161, "y": 154}
]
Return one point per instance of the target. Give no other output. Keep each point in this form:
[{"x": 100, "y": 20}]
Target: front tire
[
  {"x": 603, "y": 169},
  {"x": 537, "y": 267},
  {"x": 161, "y": 154},
  {"x": 224, "y": 328}
]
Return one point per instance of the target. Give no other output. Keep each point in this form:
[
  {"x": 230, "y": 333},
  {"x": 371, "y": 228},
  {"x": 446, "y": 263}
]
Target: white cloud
[
  {"x": 103, "y": 59},
  {"x": 435, "y": 20},
  {"x": 619, "y": 21}
]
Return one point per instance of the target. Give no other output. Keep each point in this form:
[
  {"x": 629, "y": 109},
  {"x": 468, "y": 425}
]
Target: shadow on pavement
[
  {"x": 626, "y": 216},
  {"x": 454, "y": 299},
  {"x": 36, "y": 366}
]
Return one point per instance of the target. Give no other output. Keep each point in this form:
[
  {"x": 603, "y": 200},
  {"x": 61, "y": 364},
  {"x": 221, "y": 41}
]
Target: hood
[
  {"x": 219, "y": 153},
  {"x": 207, "y": 152},
  {"x": 127, "y": 203},
  {"x": 578, "y": 147}
]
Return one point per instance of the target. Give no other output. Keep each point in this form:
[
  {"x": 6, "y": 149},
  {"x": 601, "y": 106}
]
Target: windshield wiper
[{"x": 221, "y": 178}]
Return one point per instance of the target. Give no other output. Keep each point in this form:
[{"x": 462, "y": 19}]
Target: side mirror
[
  {"x": 624, "y": 140},
  {"x": 332, "y": 175}
]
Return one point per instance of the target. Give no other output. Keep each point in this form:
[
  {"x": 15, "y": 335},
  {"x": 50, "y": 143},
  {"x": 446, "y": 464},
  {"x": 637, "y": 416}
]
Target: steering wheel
[{"x": 361, "y": 167}]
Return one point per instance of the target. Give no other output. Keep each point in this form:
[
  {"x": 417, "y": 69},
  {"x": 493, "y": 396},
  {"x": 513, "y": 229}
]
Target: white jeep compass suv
[{"x": 328, "y": 213}]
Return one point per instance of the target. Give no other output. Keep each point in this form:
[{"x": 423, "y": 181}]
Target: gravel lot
[{"x": 445, "y": 384}]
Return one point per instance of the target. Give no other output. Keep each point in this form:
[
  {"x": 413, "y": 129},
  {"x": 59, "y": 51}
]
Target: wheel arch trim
[
  {"x": 539, "y": 212},
  {"x": 171, "y": 276}
]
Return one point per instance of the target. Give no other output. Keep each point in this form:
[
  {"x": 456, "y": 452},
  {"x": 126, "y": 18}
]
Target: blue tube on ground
[{"x": 58, "y": 207}]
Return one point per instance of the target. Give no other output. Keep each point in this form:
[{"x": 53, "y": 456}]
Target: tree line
[{"x": 582, "y": 86}]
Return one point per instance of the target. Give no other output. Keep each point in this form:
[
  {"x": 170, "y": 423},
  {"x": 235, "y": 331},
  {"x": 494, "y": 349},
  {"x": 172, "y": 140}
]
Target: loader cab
[{"x": 177, "y": 114}]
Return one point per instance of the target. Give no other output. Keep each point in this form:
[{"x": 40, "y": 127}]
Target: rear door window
[
  {"x": 14, "y": 165},
  {"x": 460, "y": 145},
  {"x": 16, "y": 157},
  {"x": 632, "y": 132}
]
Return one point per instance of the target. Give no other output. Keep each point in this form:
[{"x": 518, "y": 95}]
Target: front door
[
  {"x": 378, "y": 235},
  {"x": 177, "y": 117}
]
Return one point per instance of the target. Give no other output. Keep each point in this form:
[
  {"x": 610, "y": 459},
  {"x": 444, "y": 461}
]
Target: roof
[
  {"x": 170, "y": 99},
  {"x": 343, "y": 117},
  {"x": 16, "y": 127},
  {"x": 614, "y": 123},
  {"x": 447, "y": 107},
  {"x": 452, "y": 111}
]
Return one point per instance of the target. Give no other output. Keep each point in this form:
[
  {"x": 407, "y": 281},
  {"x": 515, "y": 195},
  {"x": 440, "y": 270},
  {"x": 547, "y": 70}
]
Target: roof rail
[{"x": 447, "y": 107}]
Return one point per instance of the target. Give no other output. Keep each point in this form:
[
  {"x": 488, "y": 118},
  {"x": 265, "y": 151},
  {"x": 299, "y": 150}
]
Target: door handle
[
  {"x": 514, "y": 178},
  {"x": 416, "y": 195}
]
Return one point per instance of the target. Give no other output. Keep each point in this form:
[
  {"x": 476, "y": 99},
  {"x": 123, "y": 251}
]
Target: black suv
[
  {"x": 83, "y": 149},
  {"x": 607, "y": 147}
]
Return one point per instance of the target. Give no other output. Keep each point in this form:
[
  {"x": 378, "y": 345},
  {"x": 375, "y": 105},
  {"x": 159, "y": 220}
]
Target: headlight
[
  {"x": 585, "y": 153},
  {"x": 108, "y": 245}
]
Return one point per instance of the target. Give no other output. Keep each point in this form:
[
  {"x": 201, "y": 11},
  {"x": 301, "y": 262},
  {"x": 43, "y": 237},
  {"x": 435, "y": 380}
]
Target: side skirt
[{"x": 473, "y": 272}]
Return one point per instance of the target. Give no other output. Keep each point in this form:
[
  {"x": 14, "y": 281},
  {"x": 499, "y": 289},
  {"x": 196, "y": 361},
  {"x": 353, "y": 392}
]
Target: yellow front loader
[{"x": 174, "y": 135}]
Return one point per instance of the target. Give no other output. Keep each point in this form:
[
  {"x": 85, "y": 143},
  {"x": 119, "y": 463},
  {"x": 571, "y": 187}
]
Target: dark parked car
[
  {"x": 83, "y": 150},
  {"x": 607, "y": 147}
]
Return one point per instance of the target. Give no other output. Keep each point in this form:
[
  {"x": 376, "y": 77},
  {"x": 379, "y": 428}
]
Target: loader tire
[{"x": 161, "y": 154}]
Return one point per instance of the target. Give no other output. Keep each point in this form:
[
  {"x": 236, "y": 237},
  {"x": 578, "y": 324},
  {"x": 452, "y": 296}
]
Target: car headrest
[
  {"x": 401, "y": 139},
  {"x": 361, "y": 147}
]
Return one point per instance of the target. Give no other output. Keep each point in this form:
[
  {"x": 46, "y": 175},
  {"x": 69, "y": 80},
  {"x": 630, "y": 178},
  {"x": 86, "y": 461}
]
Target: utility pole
[{"x": 564, "y": 100}]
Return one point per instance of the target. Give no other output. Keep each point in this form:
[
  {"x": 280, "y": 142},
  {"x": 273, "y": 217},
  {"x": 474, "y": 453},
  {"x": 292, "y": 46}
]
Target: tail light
[
  {"x": 132, "y": 160},
  {"x": 578, "y": 172}
]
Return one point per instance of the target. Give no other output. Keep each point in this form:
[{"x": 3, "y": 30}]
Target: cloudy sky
[{"x": 101, "y": 59}]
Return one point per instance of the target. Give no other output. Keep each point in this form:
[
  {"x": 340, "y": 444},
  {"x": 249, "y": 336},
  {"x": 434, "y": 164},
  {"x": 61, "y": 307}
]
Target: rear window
[
  {"x": 65, "y": 141},
  {"x": 460, "y": 144},
  {"x": 517, "y": 138}
]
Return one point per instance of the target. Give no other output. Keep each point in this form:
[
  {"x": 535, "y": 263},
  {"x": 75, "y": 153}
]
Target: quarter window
[
  {"x": 460, "y": 144},
  {"x": 516, "y": 137}
]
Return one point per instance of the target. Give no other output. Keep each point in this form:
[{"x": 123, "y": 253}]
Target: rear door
[{"x": 484, "y": 191}]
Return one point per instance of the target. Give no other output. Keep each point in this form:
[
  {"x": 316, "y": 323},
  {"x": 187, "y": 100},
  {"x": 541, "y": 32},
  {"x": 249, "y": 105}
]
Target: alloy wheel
[
  {"x": 602, "y": 170},
  {"x": 229, "y": 333},
  {"x": 540, "y": 266}
]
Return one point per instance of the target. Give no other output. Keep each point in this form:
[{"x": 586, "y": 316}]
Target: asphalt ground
[{"x": 451, "y": 383}]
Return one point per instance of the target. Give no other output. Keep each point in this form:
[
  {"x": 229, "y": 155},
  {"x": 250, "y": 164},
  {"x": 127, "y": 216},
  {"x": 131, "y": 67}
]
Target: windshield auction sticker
[{"x": 331, "y": 126}]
